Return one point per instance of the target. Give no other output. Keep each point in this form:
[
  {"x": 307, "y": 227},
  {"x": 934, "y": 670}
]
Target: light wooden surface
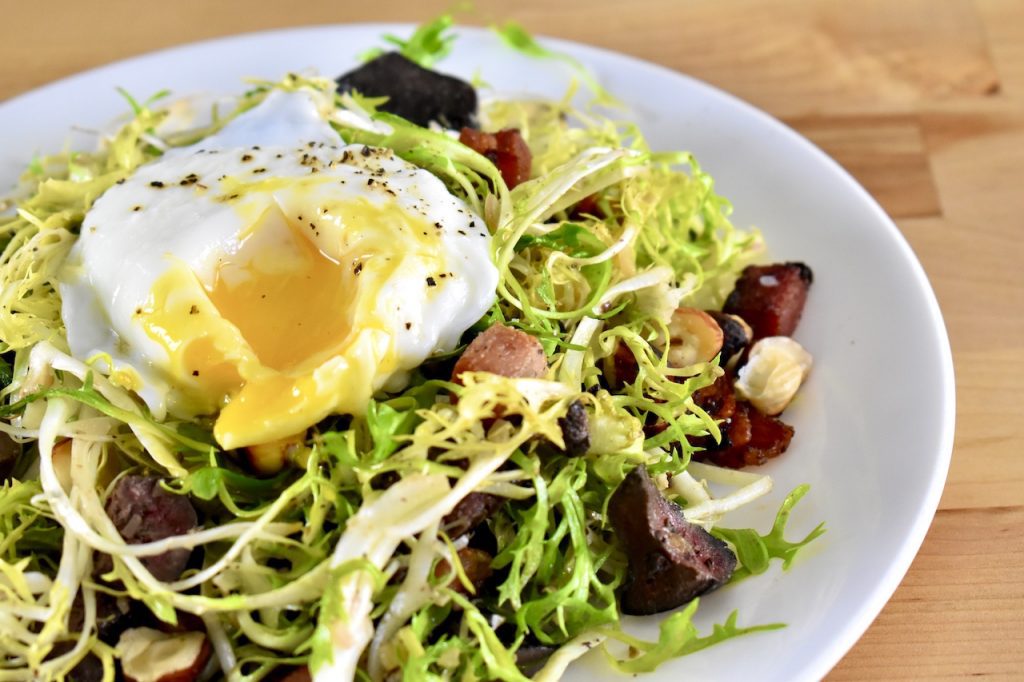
[{"x": 922, "y": 100}]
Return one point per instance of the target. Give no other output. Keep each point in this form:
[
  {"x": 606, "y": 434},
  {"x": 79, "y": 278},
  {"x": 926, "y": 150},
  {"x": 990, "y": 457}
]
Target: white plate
[{"x": 874, "y": 424}]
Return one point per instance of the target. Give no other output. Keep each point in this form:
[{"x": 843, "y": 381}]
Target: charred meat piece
[
  {"x": 718, "y": 399},
  {"x": 503, "y": 351},
  {"x": 737, "y": 432},
  {"x": 10, "y": 451},
  {"x": 671, "y": 560},
  {"x": 414, "y": 93},
  {"x": 769, "y": 437},
  {"x": 477, "y": 565},
  {"x": 143, "y": 511},
  {"x": 575, "y": 427},
  {"x": 737, "y": 336},
  {"x": 749, "y": 438},
  {"x": 470, "y": 512},
  {"x": 770, "y": 298},
  {"x": 506, "y": 149}
]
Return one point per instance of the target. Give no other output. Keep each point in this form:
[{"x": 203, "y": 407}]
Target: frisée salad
[{"x": 376, "y": 377}]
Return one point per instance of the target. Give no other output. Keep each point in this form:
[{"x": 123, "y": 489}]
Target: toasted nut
[
  {"x": 270, "y": 458},
  {"x": 148, "y": 655},
  {"x": 774, "y": 371},
  {"x": 694, "y": 337}
]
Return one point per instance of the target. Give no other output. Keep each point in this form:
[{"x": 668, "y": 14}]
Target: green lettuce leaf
[
  {"x": 678, "y": 636},
  {"x": 430, "y": 43},
  {"x": 755, "y": 551}
]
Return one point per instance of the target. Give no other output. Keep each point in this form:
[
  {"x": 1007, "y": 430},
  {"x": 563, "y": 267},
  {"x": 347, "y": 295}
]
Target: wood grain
[
  {"x": 977, "y": 279},
  {"x": 922, "y": 100},
  {"x": 885, "y": 152},
  {"x": 959, "y": 608}
]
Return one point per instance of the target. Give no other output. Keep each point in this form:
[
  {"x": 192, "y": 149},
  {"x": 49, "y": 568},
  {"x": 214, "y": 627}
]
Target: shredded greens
[
  {"x": 755, "y": 551},
  {"x": 342, "y": 560},
  {"x": 428, "y": 44}
]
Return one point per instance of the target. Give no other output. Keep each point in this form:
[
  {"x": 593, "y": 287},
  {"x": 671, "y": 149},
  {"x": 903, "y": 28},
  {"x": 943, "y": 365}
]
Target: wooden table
[{"x": 922, "y": 100}]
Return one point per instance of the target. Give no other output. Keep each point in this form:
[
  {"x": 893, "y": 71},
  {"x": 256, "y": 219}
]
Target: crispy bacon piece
[
  {"x": 503, "y": 351},
  {"x": 770, "y": 298},
  {"x": 718, "y": 399},
  {"x": 671, "y": 560},
  {"x": 506, "y": 149},
  {"x": 748, "y": 438}
]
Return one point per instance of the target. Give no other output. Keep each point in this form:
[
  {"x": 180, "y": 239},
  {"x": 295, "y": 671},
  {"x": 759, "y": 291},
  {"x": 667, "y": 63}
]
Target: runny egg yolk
[
  {"x": 287, "y": 329},
  {"x": 289, "y": 304}
]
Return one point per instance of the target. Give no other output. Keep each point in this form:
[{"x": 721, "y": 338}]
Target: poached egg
[{"x": 273, "y": 275}]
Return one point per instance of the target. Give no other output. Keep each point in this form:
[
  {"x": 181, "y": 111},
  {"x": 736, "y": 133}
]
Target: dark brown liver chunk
[
  {"x": 671, "y": 560},
  {"x": 143, "y": 512},
  {"x": 575, "y": 427},
  {"x": 414, "y": 93},
  {"x": 770, "y": 298}
]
